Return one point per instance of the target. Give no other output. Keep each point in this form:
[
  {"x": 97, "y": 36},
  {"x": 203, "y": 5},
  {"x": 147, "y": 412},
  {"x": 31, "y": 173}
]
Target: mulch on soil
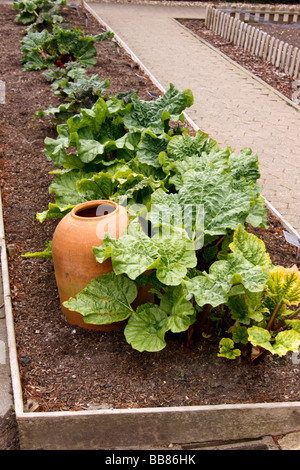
[{"x": 64, "y": 367}]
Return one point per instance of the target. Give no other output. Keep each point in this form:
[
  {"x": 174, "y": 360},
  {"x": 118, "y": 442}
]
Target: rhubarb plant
[
  {"x": 104, "y": 149},
  {"x": 43, "y": 49},
  {"x": 244, "y": 291},
  {"x": 83, "y": 92},
  {"x": 189, "y": 202},
  {"x": 170, "y": 252},
  {"x": 38, "y": 13},
  {"x": 256, "y": 295}
]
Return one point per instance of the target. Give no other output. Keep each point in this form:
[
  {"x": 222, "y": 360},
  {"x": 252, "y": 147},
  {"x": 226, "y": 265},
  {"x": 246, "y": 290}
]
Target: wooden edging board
[{"x": 138, "y": 428}]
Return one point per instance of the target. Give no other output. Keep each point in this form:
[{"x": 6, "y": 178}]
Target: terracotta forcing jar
[{"x": 74, "y": 262}]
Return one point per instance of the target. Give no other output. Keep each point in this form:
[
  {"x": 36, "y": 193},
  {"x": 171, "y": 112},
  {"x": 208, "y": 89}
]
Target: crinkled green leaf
[
  {"x": 154, "y": 114},
  {"x": 133, "y": 253},
  {"x": 99, "y": 186},
  {"x": 198, "y": 152},
  {"x": 225, "y": 206},
  {"x": 186, "y": 145},
  {"x": 250, "y": 269},
  {"x": 104, "y": 300},
  {"x": 285, "y": 341},
  {"x": 284, "y": 285},
  {"x": 244, "y": 165},
  {"x": 149, "y": 148},
  {"x": 171, "y": 253},
  {"x": 180, "y": 311},
  {"x": 217, "y": 159},
  {"x": 65, "y": 189},
  {"x": 146, "y": 328},
  {"x": 212, "y": 288},
  {"x": 186, "y": 162},
  {"x": 217, "y": 204},
  {"x": 53, "y": 212},
  {"x": 226, "y": 349},
  {"x": 240, "y": 334},
  {"x": 251, "y": 248}
]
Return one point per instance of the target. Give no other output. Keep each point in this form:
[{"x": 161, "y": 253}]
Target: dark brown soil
[
  {"x": 68, "y": 368},
  {"x": 278, "y": 79}
]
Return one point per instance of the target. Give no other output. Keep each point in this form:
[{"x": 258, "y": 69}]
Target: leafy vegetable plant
[
  {"x": 254, "y": 294},
  {"x": 82, "y": 92},
  {"x": 190, "y": 204},
  {"x": 42, "y": 49},
  {"x": 38, "y": 13}
]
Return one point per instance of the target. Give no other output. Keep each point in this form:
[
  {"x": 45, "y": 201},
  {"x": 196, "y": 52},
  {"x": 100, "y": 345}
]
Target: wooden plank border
[{"x": 148, "y": 428}]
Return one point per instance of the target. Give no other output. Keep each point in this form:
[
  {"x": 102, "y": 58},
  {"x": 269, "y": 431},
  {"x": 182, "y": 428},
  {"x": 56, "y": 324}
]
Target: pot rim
[{"x": 91, "y": 204}]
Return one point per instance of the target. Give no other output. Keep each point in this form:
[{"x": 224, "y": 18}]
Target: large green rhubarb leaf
[
  {"x": 171, "y": 253},
  {"x": 199, "y": 151},
  {"x": 244, "y": 165},
  {"x": 146, "y": 328},
  {"x": 94, "y": 134},
  {"x": 180, "y": 311},
  {"x": 96, "y": 187},
  {"x": 251, "y": 248},
  {"x": 150, "y": 147},
  {"x": 104, "y": 300},
  {"x": 248, "y": 264},
  {"x": 65, "y": 188},
  {"x": 216, "y": 202},
  {"x": 157, "y": 114},
  {"x": 191, "y": 158},
  {"x": 225, "y": 205},
  {"x": 186, "y": 145},
  {"x": 55, "y": 149}
]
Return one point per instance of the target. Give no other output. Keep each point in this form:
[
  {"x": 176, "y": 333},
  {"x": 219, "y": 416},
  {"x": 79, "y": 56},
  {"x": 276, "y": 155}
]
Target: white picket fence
[{"x": 282, "y": 55}]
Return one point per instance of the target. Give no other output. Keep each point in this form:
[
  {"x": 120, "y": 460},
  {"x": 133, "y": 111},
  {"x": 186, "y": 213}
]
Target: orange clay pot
[{"x": 74, "y": 262}]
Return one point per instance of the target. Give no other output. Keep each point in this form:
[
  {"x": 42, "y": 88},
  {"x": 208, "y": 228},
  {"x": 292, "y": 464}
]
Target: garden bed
[{"x": 66, "y": 368}]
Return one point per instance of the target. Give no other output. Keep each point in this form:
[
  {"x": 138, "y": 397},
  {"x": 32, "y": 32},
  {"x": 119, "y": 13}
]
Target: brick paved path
[{"x": 230, "y": 105}]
